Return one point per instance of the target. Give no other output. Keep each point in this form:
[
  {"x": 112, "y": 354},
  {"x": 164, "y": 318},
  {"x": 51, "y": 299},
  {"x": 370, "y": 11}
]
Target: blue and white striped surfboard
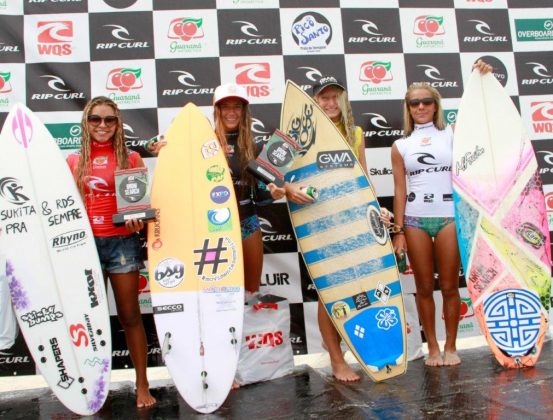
[{"x": 346, "y": 248}]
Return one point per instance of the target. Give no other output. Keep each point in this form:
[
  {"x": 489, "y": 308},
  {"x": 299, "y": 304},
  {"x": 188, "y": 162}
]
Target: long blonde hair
[
  {"x": 408, "y": 122},
  {"x": 346, "y": 114},
  {"x": 246, "y": 146},
  {"x": 84, "y": 165}
]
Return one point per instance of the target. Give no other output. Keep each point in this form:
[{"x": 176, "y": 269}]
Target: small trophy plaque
[
  {"x": 133, "y": 196},
  {"x": 275, "y": 159}
]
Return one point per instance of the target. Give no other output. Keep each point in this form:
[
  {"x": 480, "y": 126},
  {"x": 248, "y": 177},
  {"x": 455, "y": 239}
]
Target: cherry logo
[
  {"x": 78, "y": 335},
  {"x": 429, "y": 26},
  {"x": 376, "y": 71},
  {"x": 185, "y": 29},
  {"x": 467, "y": 310},
  {"x": 542, "y": 111},
  {"x": 5, "y": 86},
  {"x": 124, "y": 79},
  {"x": 549, "y": 201},
  {"x": 143, "y": 284}
]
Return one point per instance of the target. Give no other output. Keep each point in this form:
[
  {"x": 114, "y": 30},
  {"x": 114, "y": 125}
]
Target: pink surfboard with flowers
[
  {"x": 502, "y": 226},
  {"x": 53, "y": 271}
]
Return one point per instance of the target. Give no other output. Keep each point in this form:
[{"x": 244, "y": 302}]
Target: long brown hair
[
  {"x": 84, "y": 166},
  {"x": 408, "y": 122},
  {"x": 246, "y": 146}
]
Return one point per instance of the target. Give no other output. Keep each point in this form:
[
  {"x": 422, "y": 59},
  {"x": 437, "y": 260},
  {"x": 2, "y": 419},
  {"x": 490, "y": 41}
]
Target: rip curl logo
[
  {"x": 124, "y": 79},
  {"x": 537, "y": 68},
  {"x": 303, "y": 130},
  {"x": 46, "y": 314},
  {"x": 482, "y": 27},
  {"x": 185, "y": 78},
  {"x": 119, "y": 31},
  {"x": 386, "y": 319},
  {"x": 426, "y": 159},
  {"x": 369, "y": 27},
  {"x": 248, "y": 28}
]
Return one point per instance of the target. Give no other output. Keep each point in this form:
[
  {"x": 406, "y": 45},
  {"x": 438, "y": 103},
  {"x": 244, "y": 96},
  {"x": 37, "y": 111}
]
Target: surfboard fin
[
  {"x": 166, "y": 346},
  {"x": 233, "y": 339}
]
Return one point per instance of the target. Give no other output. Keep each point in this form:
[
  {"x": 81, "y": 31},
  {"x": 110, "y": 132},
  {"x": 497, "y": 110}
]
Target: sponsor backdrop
[{"x": 152, "y": 57}]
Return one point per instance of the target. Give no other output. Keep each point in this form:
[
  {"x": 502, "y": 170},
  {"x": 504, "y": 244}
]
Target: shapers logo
[
  {"x": 311, "y": 31},
  {"x": 542, "y": 116},
  {"x": 255, "y": 77},
  {"x": 54, "y": 37},
  {"x": 11, "y": 190}
]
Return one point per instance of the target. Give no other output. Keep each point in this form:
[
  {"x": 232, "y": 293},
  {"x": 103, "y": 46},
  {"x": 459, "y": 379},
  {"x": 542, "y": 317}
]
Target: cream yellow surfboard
[
  {"x": 195, "y": 262},
  {"x": 344, "y": 245}
]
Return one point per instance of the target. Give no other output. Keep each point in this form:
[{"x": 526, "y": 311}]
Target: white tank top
[{"x": 427, "y": 156}]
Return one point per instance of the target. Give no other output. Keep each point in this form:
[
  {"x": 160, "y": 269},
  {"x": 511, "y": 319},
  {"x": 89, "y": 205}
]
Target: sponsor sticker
[
  {"x": 216, "y": 259},
  {"x": 168, "y": 309},
  {"x": 375, "y": 225},
  {"x": 210, "y": 148},
  {"x": 169, "y": 273}
]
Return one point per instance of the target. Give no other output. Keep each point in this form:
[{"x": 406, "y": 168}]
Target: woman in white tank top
[{"x": 425, "y": 217}]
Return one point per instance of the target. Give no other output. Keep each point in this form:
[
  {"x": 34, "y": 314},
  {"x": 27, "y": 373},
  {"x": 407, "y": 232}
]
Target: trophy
[
  {"x": 275, "y": 159},
  {"x": 133, "y": 196}
]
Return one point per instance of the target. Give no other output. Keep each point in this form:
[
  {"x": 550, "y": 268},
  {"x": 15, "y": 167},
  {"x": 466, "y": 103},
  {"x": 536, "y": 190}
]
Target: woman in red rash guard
[{"x": 102, "y": 152}]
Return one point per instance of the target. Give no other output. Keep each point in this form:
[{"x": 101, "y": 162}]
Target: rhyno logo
[{"x": 68, "y": 238}]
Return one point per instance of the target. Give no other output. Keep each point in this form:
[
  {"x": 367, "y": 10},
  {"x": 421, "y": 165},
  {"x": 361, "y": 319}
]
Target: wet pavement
[{"x": 478, "y": 388}]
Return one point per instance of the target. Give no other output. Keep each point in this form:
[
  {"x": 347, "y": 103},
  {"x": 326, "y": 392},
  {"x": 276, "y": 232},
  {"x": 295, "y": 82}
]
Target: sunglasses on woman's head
[
  {"x": 417, "y": 102},
  {"x": 96, "y": 120}
]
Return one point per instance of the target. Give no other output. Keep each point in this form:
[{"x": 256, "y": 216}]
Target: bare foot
[
  {"x": 143, "y": 397},
  {"x": 451, "y": 358},
  {"x": 434, "y": 360},
  {"x": 344, "y": 373},
  {"x": 235, "y": 385}
]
